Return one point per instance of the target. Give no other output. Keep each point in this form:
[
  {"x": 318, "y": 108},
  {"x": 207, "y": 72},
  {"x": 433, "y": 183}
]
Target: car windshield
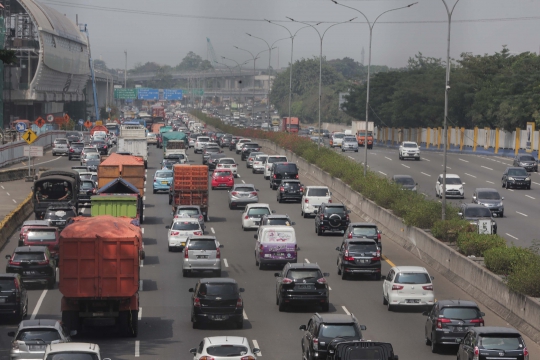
[
  {"x": 488, "y": 195},
  {"x": 203, "y": 139},
  {"x": 404, "y": 180},
  {"x": 517, "y": 172},
  {"x": 89, "y": 149},
  {"x": 339, "y": 136},
  {"x": 500, "y": 342},
  {"x": 349, "y": 139},
  {"x": 227, "y": 350},
  {"x": 222, "y": 173},
  {"x": 244, "y": 189},
  {"x": 185, "y": 225},
  {"x": 283, "y": 221},
  {"x": 72, "y": 355},
  {"x": 61, "y": 142},
  {"x": 59, "y": 214},
  {"x": 453, "y": 181},
  {"x": 205, "y": 244},
  {"x": 7, "y": 285},
  {"x": 87, "y": 185},
  {"x": 164, "y": 175},
  {"x": 47, "y": 335},
  {"x": 72, "y": 133},
  {"x": 29, "y": 256},
  {"x": 42, "y": 235},
  {"x": 364, "y": 231},
  {"x": 260, "y": 157},
  {"x": 93, "y": 156},
  {"x": 410, "y": 145},
  {"x": 304, "y": 274},
  {"x": 188, "y": 211},
  {"x": 338, "y": 330},
  {"x": 463, "y": 313},
  {"x": 276, "y": 159},
  {"x": 212, "y": 150},
  {"x": 318, "y": 192},
  {"x": 287, "y": 168},
  {"x": 362, "y": 247},
  {"x": 259, "y": 211},
  {"x": 477, "y": 212},
  {"x": 216, "y": 289},
  {"x": 334, "y": 210},
  {"x": 412, "y": 278},
  {"x": 526, "y": 158},
  {"x": 227, "y": 161}
]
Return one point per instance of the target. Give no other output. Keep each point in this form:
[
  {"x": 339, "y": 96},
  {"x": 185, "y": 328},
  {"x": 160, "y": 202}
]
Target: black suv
[
  {"x": 290, "y": 190},
  {"x": 322, "y": 329},
  {"x": 526, "y": 161},
  {"x": 217, "y": 300},
  {"x": 225, "y": 140},
  {"x": 248, "y": 148},
  {"x": 492, "y": 342},
  {"x": 209, "y": 151},
  {"x": 331, "y": 217},
  {"x": 281, "y": 171},
  {"x": 341, "y": 349},
  {"x": 13, "y": 297},
  {"x": 516, "y": 177},
  {"x": 34, "y": 264},
  {"x": 101, "y": 147},
  {"x": 73, "y": 136},
  {"x": 362, "y": 230},
  {"x": 59, "y": 214},
  {"x": 449, "y": 320},
  {"x": 75, "y": 150},
  {"x": 302, "y": 283},
  {"x": 475, "y": 213},
  {"x": 359, "y": 256}
]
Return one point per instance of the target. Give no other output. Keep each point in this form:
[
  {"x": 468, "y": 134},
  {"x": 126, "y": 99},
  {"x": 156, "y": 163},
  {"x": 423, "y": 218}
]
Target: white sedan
[
  {"x": 251, "y": 217},
  {"x": 224, "y": 347},
  {"x": 229, "y": 164},
  {"x": 181, "y": 228}
]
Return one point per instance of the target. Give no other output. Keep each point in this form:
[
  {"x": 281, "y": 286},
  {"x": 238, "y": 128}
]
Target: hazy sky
[{"x": 164, "y": 31}]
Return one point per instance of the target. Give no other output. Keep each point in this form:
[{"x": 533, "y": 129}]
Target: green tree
[{"x": 193, "y": 62}]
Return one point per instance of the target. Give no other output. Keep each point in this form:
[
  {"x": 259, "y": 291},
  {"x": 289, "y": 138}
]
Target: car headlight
[
  {"x": 527, "y": 179},
  {"x": 500, "y": 204},
  {"x": 413, "y": 189},
  {"x": 522, "y": 164},
  {"x": 511, "y": 178},
  {"x": 461, "y": 187}
]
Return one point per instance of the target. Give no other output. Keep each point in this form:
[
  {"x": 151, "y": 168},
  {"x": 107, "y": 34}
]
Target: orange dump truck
[
  {"x": 100, "y": 273},
  {"x": 130, "y": 168},
  {"x": 190, "y": 187},
  {"x": 156, "y": 127}
]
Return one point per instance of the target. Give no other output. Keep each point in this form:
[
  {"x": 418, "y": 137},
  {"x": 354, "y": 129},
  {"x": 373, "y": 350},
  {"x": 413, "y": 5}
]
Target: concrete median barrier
[
  {"x": 15, "y": 219},
  {"x": 14, "y": 174}
]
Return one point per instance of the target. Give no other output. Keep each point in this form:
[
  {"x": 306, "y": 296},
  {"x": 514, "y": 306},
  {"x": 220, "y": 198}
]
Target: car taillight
[
  {"x": 17, "y": 291},
  {"x": 525, "y": 354},
  {"x": 287, "y": 281},
  {"x": 71, "y": 150},
  {"x": 186, "y": 253},
  {"x": 239, "y": 303},
  {"x": 281, "y": 189},
  {"x": 44, "y": 262},
  {"x": 346, "y": 256},
  {"x": 442, "y": 321},
  {"x": 93, "y": 191},
  {"x": 250, "y": 159},
  {"x": 428, "y": 287},
  {"x": 233, "y": 165},
  {"x": 201, "y": 218},
  {"x": 321, "y": 216},
  {"x": 246, "y": 217},
  {"x": 105, "y": 146},
  {"x": 196, "y": 302},
  {"x": 175, "y": 233},
  {"x": 329, "y": 200},
  {"x": 155, "y": 180},
  {"x": 197, "y": 233},
  {"x": 347, "y": 217},
  {"x": 296, "y": 177},
  {"x": 254, "y": 193},
  {"x": 274, "y": 176},
  {"x": 377, "y": 257},
  {"x": 349, "y": 236},
  {"x": 315, "y": 344},
  {"x": 306, "y": 201},
  {"x": 478, "y": 321},
  {"x": 234, "y": 193},
  {"x": 261, "y": 247},
  {"x": 321, "y": 281},
  {"x": 476, "y": 353},
  {"x": 11, "y": 262},
  {"x": 15, "y": 345},
  {"x": 249, "y": 357},
  {"x": 379, "y": 236},
  {"x": 397, "y": 287}
]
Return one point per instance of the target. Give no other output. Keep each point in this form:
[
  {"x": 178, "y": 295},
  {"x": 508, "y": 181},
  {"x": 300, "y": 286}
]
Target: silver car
[
  {"x": 202, "y": 253},
  {"x": 251, "y": 158},
  {"x": 179, "y": 231},
  {"x": 33, "y": 336},
  {"x": 60, "y": 146},
  {"x": 349, "y": 143},
  {"x": 243, "y": 194},
  {"x": 193, "y": 211}
]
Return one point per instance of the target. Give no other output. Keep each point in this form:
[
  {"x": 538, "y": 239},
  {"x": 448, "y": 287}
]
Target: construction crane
[{"x": 210, "y": 51}]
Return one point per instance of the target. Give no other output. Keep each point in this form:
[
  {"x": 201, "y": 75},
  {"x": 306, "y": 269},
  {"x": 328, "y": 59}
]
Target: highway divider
[
  {"x": 14, "y": 174},
  {"x": 15, "y": 219}
]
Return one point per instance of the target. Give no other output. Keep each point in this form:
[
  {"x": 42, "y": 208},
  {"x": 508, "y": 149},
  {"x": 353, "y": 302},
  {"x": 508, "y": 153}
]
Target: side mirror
[
  {"x": 432, "y": 277},
  {"x": 363, "y": 327},
  {"x": 277, "y": 275},
  {"x": 11, "y": 334},
  {"x": 326, "y": 274},
  {"x": 221, "y": 246},
  {"x": 502, "y": 198},
  {"x": 348, "y": 211},
  {"x": 425, "y": 313},
  {"x": 167, "y": 226},
  {"x": 241, "y": 290},
  {"x": 193, "y": 351},
  {"x": 396, "y": 357},
  {"x": 73, "y": 333},
  {"x": 303, "y": 327},
  {"x": 190, "y": 290},
  {"x": 293, "y": 223},
  {"x": 8, "y": 257},
  {"x": 482, "y": 314},
  {"x": 255, "y": 350},
  {"x": 273, "y": 211},
  {"x": 460, "y": 213},
  {"x": 255, "y": 236},
  {"x": 338, "y": 248},
  {"x": 315, "y": 211}
]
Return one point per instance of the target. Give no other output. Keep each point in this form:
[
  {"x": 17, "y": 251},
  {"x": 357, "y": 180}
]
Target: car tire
[
  {"x": 256, "y": 262},
  {"x": 343, "y": 274},
  {"x": 389, "y": 307},
  {"x": 154, "y": 191},
  {"x": 185, "y": 273},
  {"x": 378, "y": 276},
  {"x": 428, "y": 341},
  {"x": 319, "y": 231},
  {"x": 213, "y": 188},
  {"x": 281, "y": 306},
  {"x": 279, "y": 200},
  {"x": 240, "y": 324},
  {"x": 217, "y": 273},
  {"x": 529, "y": 187},
  {"x": 170, "y": 200},
  {"x": 501, "y": 214},
  {"x": 261, "y": 265},
  {"x": 51, "y": 282},
  {"x": 194, "y": 325},
  {"x": 417, "y": 159},
  {"x": 325, "y": 307},
  {"x": 384, "y": 301},
  {"x": 434, "y": 346}
]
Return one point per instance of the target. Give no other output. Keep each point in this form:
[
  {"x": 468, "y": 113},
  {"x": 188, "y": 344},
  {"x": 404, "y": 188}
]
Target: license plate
[
  {"x": 2, "y": 300},
  {"x": 29, "y": 272},
  {"x": 164, "y": 182},
  {"x": 279, "y": 254},
  {"x": 220, "y": 317},
  {"x": 36, "y": 347},
  {"x": 222, "y": 184},
  {"x": 202, "y": 256},
  {"x": 362, "y": 261},
  {"x": 412, "y": 301},
  {"x": 227, "y": 167},
  {"x": 459, "y": 329},
  {"x": 303, "y": 286},
  {"x": 96, "y": 314}
]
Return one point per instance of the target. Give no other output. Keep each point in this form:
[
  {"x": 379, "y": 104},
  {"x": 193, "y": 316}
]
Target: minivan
[
  {"x": 280, "y": 171},
  {"x": 275, "y": 245}
]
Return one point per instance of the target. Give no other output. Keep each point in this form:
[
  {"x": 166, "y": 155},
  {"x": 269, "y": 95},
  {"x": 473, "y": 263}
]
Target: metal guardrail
[{"x": 14, "y": 152}]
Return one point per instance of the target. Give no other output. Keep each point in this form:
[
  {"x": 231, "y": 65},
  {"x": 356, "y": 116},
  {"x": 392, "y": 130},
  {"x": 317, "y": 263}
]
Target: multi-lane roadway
[{"x": 165, "y": 330}]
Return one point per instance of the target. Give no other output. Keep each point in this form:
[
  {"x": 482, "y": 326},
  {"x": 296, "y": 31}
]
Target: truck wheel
[
  {"x": 134, "y": 323},
  {"x": 51, "y": 282},
  {"x": 71, "y": 320}
]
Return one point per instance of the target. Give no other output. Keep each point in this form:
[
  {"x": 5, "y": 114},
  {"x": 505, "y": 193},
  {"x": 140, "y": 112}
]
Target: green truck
[
  {"x": 118, "y": 198},
  {"x": 174, "y": 135}
]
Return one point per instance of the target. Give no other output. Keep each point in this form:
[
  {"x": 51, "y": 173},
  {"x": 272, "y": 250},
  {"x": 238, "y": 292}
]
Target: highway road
[{"x": 165, "y": 329}]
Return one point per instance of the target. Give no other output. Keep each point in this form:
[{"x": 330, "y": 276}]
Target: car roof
[
  {"x": 486, "y": 190},
  {"x": 484, "y": 330},
  {"x": 73, "y": 346},
  {"x": 410, "y": 269},
  {"x": 163, "y": 170},
  {"x": 276, "y": 216},
  {"x": 471, "y": 205},
  {"x": 360, "y": 240},
  {"x": 202, "y": 237},
  {"x": 228, "y": 158},
  {"x": 317, "y": 187},
  {"x": 60, "y": 206},
  {"x": 185, "y": 219},
  {"x": 290, "y": 180},
  {"x": 38, "y": 323},
  {"x": 217, "y": 280},
  {"x": 241, "y": 185},
  {"x": 276, "y": 227},
  {"x": 336, "y": 318},
  {"x": 454, "y": 175},
  {"x": 36, "y": 223},
  {"x": 188, "y": 207},
  {"x": 234, "y": 340},
  {"x": 514, "y": 168},
  {"x": 456, "y": 303},
  {"x": 358, "y": 224},
  {"x": 22, "y": 249},
  {"x": 402, "y": 177},
  {"x": 256, "y": 205},
  {"x": 304, "y": 266},
  {"x": 409, "y": 142}
]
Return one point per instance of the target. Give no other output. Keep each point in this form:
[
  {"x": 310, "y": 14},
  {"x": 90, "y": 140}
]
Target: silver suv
[
  {"x": 349, "y": 143},
  {"x": 33, "y": 336},
  {"x": 202, "y": 253},
  {"x": 60, "y": 146}
]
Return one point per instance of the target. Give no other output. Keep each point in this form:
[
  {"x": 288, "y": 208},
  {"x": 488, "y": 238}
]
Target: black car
[
  {"x": 343, "y": 349},
  {"x": 290, "y": 190},
  {"x": 359, "y": 256},
  {"x": 528, "y": 162},
  {"x": 492, "y": 342},
  {"x": 59, "y": 214},
  {"x": 213, "y": 160},
  {"x": 449, "y": 320},
  {"x": 406, "y": 182},
  {"x": 322, "y": 329},
  {"x": 101, "y": 146},
  {"x": 475, "y": 213},
  {"x": 331, "y": 217},
  {"x": 232, "y": 143},
  {"x": 247, "y": 148},
  {"x": 13, "y": 297},
  {"x": 217, "y": 300},
  {"x": 86, "y": 191},
  {"x": 491, "y": 199},
  {"x": 302, "y": 283},
  {"x": 281, "y": 171},
  {"x": 515, "y": 177},
  {"x": 209, "y": 151},
  {"x": 75, "y": 150},
  {"x": 225, "y": 140},
  {"x": 34, "y": 264},
  {"x": 92, "y": 164},
  {"x": 74, "y": 136},
  {"x": 363, "y": 230}
]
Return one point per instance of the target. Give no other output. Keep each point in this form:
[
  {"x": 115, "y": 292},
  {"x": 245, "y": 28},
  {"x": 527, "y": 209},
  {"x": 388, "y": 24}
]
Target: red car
[
  {"x": 43, "y": 236},
  {"x": 28, "y": 224},
  {"x": 222, "y": 179}
]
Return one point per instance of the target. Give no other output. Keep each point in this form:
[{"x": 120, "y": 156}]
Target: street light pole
[
  {"x": 125, "y": 70},
  {"x": 371, "y": 25},
  {"x": 321, "y": 37}
]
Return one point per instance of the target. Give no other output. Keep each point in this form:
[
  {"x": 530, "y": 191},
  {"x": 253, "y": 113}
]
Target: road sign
[
  {"x": 81, "y": 121},
  {"x": 66, "y": 118},
  {"x": 29, "y": 136},
  {"x": 39, "y": 122},
  {"x": 36, "y": 151},
  {"x": 173, "y": 94},
  {"x": 21, "y": 127},
  {"x": 125, "y": 94},
  {"x": 50, "y": 118},
  {"x": 87, "y": 124},
  {"x": 148, "y": 94},
  {"x": 99, "y": 122}
]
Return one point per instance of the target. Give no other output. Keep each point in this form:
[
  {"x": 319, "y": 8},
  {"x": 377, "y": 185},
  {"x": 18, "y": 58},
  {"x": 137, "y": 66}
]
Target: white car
[
  {"x": 240, "y": 143},
  {"x": 337, "y": 139},
  {"x": 409, "y": 149},
  {"x": 224, "y": 347},
  {"x": 181, "y": 228},
  {"x": 228, "y": 163},
  {"x": 258, "y": 163},
  {"x": 408, "y": 286},
  {"x": 151, "y": 138},
  {"x": 251, "y": 217},
  {"x": 454, "y": 186},
  {"x": 313, "y": 197},
  {"x": 269, "y": 161},
  {"x": 73, "y": 350},
  {"x": 200, "y": 143}
]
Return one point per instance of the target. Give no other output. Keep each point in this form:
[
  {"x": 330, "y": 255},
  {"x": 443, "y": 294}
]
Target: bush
[
  {"x": 448, "y": 230},
  {"x": 503, "y": 260},
  {"x": 525, "y": 277},
  {"x": 470, "y": 243}
]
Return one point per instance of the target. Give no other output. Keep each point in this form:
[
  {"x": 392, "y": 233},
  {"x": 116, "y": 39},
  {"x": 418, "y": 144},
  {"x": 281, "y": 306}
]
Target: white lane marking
[
  {"x": 14, "y": 201},
  {"x": 470, "y": 175},
  {"x": 142, "y": 230},
  {"x": 329, "y": 288},
  {"x": 144, "y": 182},
  {"x": 144, "y": 198},
  {"x": 491, "y": 182},
  {"x": 520, "y": 213},
  {"x": 306, "y": 260},
  {"x": 510, "y": 190},
  {"x": 245, "y": 315},
  {"x": 426, "y": 159},
  {"x": 3, "y": 188},
  {"x": 238, "y": 175},
  {"x": 485, "y": 167},
  {"x": 513, "y": 237},
  {"x": 382, "y": 173},
  {"x": 225, "y": 262},
  {"x": 142, "y": 263},
  {"x": 350, "y": 157},
  {"x": 8, "y": 194},
  {"x": 140, "y": 313},
  {"x": 463, "y": 160},
  {"x": 256, "y": 345},
  {"x": 212, "y": 229},
  {"x": 145, "y": 190},
  {"x": 448, "y": 167},
  {"x": 346, "y": 311},
  {"x": 38, "y": 305},
  {"x": 243, "y": 182},
  {"x": 141, "y": 285},
  {"x": 386, "y": 157},
  {"x": 408, "y": 167},
  {"x": 530, "y": 197},
  {"x": 536, "y": 183},
  {"x": 83, "y": 210},
  {"x": 425, "y": 174},
  {"x": 137, "y": 345},
  {"x": 208, "y": 217}
]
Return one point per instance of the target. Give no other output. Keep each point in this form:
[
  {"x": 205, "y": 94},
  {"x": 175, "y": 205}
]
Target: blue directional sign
[
  {"x": 173, "y": 94},
  {"x": 21, "y": 127},
  {"x": 81, "y": 121},
  {"x": 148, "y": 94}
]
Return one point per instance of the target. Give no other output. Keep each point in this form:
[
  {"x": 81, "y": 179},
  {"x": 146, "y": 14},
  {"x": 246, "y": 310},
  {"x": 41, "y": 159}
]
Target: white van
[
  {"x": 313, "y": 197},
  {"x": 275, "y": 245}
]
